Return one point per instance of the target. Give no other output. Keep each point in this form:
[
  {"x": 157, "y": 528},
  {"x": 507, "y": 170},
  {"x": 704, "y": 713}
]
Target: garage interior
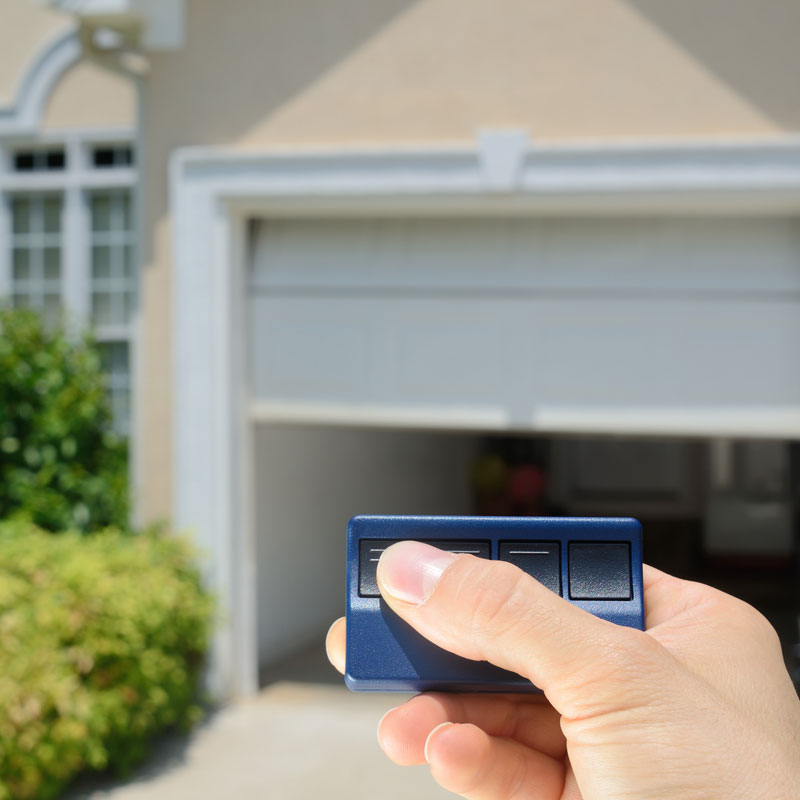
[{"x": 721, "y": 512}]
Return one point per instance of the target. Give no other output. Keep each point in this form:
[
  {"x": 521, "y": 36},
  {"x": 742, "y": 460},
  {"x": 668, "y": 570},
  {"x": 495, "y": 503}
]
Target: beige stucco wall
[
  {"x": 90, "y": 96},
  {"x": 24, "y": 29},
  {"x": 269, "y": 73}
]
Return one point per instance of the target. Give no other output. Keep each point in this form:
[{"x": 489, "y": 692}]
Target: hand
[{"x": 698, "y": 706}]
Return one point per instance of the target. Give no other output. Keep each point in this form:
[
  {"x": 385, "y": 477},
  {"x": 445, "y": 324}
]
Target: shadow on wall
[
  {"x": 237, "y": 70},
  {"x": 241, "y": 54},
  {"x": 735, "y": 40}
]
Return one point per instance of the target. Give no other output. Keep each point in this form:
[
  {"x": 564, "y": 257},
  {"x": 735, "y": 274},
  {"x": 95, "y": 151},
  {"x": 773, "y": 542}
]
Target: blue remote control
[{"x": 594, "y": 563}]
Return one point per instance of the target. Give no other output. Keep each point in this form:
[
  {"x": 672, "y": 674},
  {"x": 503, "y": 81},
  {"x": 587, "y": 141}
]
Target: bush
[
  {"x": 101, "y": 646},
  {"x": 60, "y": 463}
]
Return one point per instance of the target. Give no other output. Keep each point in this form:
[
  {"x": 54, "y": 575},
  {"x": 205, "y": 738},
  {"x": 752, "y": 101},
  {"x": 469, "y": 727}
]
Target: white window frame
[
  {"x": 35, "y": 242},
  {"x": 116, "y": 240},
  {"x": 75, "y": 184}
]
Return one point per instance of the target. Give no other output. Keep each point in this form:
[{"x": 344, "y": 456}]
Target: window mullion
[
  {"x": 118, "y": 295},
  {"x": 36, "y": 289},
  {"x": 6, "y": 245},
  {"x": 75, "y": 245}
]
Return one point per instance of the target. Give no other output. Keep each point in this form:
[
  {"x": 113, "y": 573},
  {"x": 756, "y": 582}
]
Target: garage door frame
[{"x": 213, "y": 192}]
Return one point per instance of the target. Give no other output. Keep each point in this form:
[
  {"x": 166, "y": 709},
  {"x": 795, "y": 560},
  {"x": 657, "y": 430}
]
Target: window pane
[
  {"x": 52, "y": 214},
  {"x": 52, "y": 309},
  {"x": 122, "y": 360},
  {"x": 101, "y": 308},
  {"x": 115, "y": 360},
  {"x": 129, "y": 305},
  {"x": 101, "y": 213},
  {"x": 120, "y": 409},
  {"x": 20, "y": 300},
  {"x": 52, "y": 263},
  {"x": 55, "y": 159},
  {"x": 39, "y": 160},
  {"x": 110, "y": 156},
  {"x": 119, "y": 308},
  {"x": 125, "y": 202},
  {"x": 21, "y": 261},
  {"x": 101, "y": 261},
  {"x": 24, "y": 162},
  {"x": 20, "y": 212},
  {"x": 106, "y": 355},
  {"x": 128, "y": 265},
  {"x": 104, "y": 157}
]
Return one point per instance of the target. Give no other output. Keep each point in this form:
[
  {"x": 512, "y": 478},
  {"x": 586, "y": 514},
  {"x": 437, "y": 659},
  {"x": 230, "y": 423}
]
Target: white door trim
[{"x": 214, "y": 191}]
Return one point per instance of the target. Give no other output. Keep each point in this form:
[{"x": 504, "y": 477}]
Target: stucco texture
[
  {"x": 90, "y": 96},
  {"x": 261, "y": 74}
]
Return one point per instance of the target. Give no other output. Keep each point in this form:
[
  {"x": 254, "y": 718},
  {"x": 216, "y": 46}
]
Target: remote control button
[
  {"x": 369, "y": 553},
  {"x": 600, "y": 571},
  {"x": 480, "y": 549},
  {"x": 541, "y": 560}
]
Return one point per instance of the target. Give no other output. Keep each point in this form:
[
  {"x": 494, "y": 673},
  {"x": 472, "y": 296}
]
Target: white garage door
[{"x": 662, "y": 325}]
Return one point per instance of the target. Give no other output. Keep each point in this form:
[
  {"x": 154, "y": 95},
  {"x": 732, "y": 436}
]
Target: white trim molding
[
  {"x": 214, "y": 191},
  {"x": 751, "y": 177},
  {"x": 23, "y": 117}
]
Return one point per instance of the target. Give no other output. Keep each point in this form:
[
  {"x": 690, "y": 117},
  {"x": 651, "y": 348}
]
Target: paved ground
[{"x": 297, "y": 740}]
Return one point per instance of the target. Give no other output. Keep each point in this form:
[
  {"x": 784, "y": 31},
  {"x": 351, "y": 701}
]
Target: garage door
[{"x": 651, "y": 325}]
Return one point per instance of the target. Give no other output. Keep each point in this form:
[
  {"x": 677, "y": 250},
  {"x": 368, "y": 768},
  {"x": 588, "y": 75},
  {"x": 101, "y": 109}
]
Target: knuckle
[
  {"x": 498, "y": 599},
  {"x": 745, "y": 617},
  {"x": 627, "y": 674},
  {"x": 761, "y": 626}
]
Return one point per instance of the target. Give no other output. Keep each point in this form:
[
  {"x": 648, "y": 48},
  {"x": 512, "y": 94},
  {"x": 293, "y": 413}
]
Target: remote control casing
[{"x": 582, "y": 558}]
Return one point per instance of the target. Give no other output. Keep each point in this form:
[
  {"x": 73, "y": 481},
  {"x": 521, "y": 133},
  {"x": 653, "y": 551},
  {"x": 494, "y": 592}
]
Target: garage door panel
[
  {"x": 523, "y": 353},
  {"x": 705, "y": 254}
]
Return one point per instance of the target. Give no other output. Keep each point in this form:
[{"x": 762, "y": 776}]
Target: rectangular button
[
  {"x": 369, "y": 553},
  {"x": 541, "y": 560},
  {"x": 600, "y": 571}
]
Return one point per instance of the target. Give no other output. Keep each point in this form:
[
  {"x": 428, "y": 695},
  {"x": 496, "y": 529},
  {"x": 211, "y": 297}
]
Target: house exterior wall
[
  {"x": 90, "y": 96},
  {"x": 259, "y": 74}
]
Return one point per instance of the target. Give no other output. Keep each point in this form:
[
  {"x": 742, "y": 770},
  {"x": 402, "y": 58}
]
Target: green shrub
[
  {"x": 101, "y": 646},
  {"x": 60, "y": 463}
]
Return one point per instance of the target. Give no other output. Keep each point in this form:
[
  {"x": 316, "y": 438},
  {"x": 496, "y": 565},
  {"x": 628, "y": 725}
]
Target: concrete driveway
[{"x": 294, "y": 741}]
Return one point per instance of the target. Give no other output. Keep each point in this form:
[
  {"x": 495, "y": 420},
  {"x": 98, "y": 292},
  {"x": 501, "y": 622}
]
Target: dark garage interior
[{"x": 722, "y": 512}]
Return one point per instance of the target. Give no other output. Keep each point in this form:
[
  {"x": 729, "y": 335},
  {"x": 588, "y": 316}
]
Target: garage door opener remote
[{"x": 593, "y": 562}]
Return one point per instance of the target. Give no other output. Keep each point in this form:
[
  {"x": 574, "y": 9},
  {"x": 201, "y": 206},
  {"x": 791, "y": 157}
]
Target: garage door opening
[{"x": 717, "y": 511}]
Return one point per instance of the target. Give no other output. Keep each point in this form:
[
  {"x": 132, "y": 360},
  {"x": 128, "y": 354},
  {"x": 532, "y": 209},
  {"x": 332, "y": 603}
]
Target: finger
[
  {"x": 491, "y": 610},
  {"x": 335, "y": 644},
  {"x": 466, "y": 760},
  {"x": 530, "y": 720}
]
